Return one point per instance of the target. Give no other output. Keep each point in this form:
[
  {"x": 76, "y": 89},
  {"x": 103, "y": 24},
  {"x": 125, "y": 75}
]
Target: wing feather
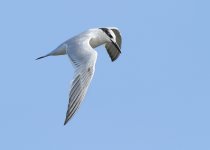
[
  {"x": 78, "y": 90},
  {"x": 83, "y": 58}
]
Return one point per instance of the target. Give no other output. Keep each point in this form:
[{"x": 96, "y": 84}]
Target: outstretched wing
[
  {"x": 83, "y": 59},
  {"x": 111, "y": 49},
  {"x": 78, "y": 90}
]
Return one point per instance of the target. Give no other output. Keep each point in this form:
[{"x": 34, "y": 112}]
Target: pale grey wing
[
  {"x": 78, "y": 90},
  {"x": 83, "y": 58},
  {"x": 111, "y": 49}
]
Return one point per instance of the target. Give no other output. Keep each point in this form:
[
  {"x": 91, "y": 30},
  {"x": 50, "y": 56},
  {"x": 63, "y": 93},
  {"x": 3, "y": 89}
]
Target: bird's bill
[{"x": 116, "y": 45}]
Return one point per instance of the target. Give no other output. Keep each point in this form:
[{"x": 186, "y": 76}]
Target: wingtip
[
  {"x": 65, "y": 122},
  {"x": 40, "y": 57}
]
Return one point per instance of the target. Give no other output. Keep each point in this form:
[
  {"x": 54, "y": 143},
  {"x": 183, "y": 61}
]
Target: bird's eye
[{"x": 109, "y": 34}]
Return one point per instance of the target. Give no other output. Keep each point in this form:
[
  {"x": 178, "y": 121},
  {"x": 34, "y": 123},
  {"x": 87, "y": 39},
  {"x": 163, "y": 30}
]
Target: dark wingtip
[
  {"x": 40, "y": 57},
  {"x": 65, "y": 122}
]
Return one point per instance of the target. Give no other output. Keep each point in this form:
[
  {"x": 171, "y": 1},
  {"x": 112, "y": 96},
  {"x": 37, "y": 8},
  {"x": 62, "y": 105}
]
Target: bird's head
[{"x": 109, "y": 34}]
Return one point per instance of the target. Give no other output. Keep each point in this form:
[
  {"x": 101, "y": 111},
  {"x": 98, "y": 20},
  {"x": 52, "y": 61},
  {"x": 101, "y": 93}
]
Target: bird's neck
[{"x": 97, "y": 39}]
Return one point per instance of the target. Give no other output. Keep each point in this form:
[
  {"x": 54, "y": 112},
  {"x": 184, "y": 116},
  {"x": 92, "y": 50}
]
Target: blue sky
[{"x": 155, "y": 96}]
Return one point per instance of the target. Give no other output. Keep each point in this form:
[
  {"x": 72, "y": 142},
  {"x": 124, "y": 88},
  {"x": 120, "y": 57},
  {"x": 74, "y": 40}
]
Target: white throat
[{"x": 98, "y": 38}]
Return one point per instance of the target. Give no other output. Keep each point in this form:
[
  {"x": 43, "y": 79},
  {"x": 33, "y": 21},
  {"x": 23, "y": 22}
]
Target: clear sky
[{"x": 156, "y": 96}]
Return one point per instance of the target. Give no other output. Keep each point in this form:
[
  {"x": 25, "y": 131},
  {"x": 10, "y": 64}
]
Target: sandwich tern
[{"x": 80, "y": 50}]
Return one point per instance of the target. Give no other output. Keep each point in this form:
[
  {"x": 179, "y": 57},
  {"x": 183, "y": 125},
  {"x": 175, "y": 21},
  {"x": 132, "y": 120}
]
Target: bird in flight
[{"x": 80, "y": 50}]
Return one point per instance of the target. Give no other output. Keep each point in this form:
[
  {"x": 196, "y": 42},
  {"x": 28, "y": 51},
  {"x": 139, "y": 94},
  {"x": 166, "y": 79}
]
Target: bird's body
[{"x": 80, "y": 50}]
